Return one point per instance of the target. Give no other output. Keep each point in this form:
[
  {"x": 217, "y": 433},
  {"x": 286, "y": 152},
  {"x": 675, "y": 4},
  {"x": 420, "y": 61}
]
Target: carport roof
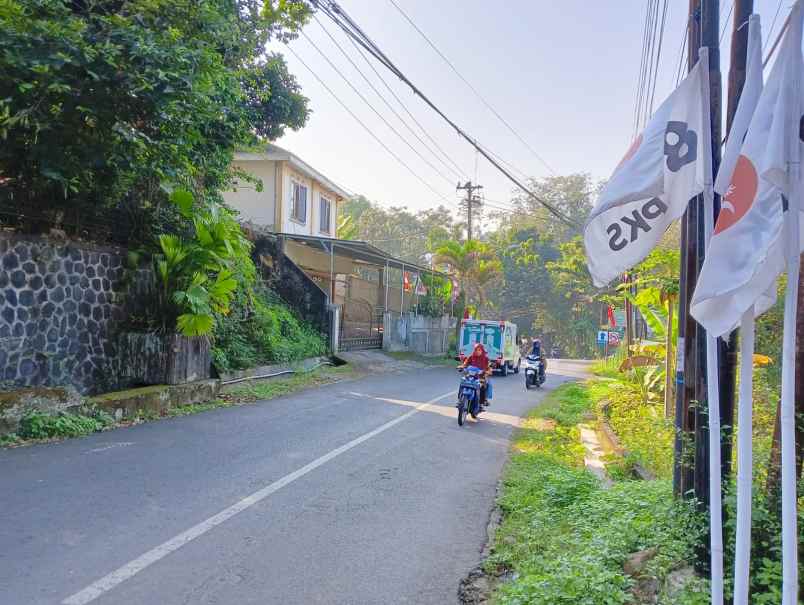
[{"x": 359, "y": 251}]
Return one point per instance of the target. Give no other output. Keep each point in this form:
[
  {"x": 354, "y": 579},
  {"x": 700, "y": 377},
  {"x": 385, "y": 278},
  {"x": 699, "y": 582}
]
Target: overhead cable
[
  {"x": 472, "y": 88},
  {"x": 374, "y": 109},
  {"x": 387, "y": 104},
  {"x": 366, "y": 128},
  {"x": 347, "y": 24}
]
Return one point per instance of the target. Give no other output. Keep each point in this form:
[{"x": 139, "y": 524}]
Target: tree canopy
[{"x": 103, "y": 102}]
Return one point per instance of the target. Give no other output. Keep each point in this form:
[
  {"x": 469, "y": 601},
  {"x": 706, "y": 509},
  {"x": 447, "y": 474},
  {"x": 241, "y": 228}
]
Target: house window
[
  {"x": 298, "y": 202},
  {"x": 325, "y": 212}
]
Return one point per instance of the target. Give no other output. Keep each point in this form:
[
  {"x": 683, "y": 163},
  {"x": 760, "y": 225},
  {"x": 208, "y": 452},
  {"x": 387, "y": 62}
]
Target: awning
[{"x": 359, "y": 251}]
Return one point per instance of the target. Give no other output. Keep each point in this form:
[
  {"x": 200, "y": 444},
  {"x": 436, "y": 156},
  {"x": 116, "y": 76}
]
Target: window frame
[
  {"x": 322, "y": 199},
  {"x": 294, "y": 215}
]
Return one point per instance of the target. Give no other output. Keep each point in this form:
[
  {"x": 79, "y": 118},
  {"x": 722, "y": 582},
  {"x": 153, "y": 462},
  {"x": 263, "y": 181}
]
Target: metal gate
[{"x": 361, "y": 326}]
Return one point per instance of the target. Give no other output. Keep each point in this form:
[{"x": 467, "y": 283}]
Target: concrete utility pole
[{"x": 470, "y": 201}]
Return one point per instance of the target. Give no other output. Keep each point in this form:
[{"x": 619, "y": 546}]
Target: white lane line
[
  {"x": 109, "y": 446},
  {"x": 129, "y": 570}
]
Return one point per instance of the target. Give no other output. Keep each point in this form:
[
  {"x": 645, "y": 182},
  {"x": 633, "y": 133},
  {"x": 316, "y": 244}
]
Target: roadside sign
[
  {"x": 614, "y": 339},
  {"x": 602, "y": 337}
]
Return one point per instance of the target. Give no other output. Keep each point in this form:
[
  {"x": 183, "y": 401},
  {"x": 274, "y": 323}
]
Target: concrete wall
[
  {"x": 417, "y": 333},
  {"x": 59, "y": 306},
  {"x": 258, "y": 207}
]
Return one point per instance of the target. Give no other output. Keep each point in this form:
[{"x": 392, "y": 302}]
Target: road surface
[{"x": 360, "y": 492}]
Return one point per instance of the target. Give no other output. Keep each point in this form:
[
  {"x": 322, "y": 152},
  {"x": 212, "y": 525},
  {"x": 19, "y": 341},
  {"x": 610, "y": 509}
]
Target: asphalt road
[{"x": 352, "y": 493}]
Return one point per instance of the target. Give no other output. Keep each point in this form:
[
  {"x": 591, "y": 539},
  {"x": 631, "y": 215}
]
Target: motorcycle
[
  {"x": 472, "y": 380},
  {"x": 533, "y": 372}
]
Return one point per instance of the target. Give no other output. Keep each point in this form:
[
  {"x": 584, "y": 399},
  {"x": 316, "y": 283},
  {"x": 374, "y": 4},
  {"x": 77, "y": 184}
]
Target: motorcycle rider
[
  {"x": 536, "y": 351},
  {"x": 480, "y": 360}
]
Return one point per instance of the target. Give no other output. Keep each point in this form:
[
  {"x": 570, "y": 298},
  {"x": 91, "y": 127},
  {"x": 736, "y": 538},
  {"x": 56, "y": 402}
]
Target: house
[{"x": 295, "y": 197}]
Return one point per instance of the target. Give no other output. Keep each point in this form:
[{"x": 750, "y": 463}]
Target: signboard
[
  {"x": 614, "y": 339},
  {"x": 602, "y": 337}
]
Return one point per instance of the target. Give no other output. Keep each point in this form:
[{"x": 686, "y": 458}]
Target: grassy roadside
[
  {"x": 563, "y": 537},
  {"x": 38, "y": 427}
]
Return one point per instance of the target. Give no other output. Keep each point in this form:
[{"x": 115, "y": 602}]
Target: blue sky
[{"x": 562, "y": 73}]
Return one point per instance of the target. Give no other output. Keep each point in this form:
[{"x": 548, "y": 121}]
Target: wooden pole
[{"x": 668, "y": 360}]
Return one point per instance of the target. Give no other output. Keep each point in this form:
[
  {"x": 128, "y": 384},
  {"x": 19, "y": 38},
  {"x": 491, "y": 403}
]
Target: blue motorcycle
[{"x": 469, "y": 393}]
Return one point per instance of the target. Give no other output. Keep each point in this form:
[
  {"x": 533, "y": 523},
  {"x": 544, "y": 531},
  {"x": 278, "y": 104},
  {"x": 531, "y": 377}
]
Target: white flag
[
  {"x": 746, "y": 251},
  {"x": 650, "y": 188}
]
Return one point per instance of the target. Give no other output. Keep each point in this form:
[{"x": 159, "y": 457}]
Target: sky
[{"x": 563, "y": 74}]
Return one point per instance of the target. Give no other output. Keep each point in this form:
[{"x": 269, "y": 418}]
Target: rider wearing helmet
[
  {"x": 480, "y": 360},
  {"x": 536, "y": 351}
]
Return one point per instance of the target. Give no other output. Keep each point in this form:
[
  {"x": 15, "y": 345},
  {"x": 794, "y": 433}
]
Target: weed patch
[{"x": 563, "y": 538}]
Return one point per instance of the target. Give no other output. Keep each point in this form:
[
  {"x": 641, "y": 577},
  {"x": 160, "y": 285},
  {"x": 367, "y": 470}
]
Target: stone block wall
[{"x": 59, "y": 304}]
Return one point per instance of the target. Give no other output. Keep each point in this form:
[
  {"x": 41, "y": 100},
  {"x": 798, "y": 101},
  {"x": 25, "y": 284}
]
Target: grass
[
  {"x": 277, "y": 387},
  {"x": 563, "y": 537}
]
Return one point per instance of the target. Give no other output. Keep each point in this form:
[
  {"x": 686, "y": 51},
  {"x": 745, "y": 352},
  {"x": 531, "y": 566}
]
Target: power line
[
  {"x": 472, "y": 88},
  {"x": 374, "y": 109},
  {"x": 679, "y": 71},
  {"x": 658, "y": 58},
  {"x": 726, "y": 23},
  {"x": 347, "y": 24},
  {"x": 641, "y": 78},
  {"x": 383, "y": 99},
  {"x": 366, "y": 128},
  {"x": 405, "y": 107},
  {"x": 773, "y": 23}
]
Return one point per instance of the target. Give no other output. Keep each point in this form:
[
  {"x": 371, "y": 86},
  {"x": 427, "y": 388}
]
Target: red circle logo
[{"x": 740, "y": 196}]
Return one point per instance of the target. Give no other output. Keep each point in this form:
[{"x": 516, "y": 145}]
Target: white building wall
[
  {"x": 256, "y": 206},
  {"x": 289, "y": 224}
]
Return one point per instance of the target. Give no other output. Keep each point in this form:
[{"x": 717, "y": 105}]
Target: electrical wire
[
  {"x": 374, "y": 109},
  {"x": 773, "y": 23},
  {"x": 680, "y": 69},
  {"x": 385, "y": 101},
  {"x": 642, "y": 66},
  {"x": 658, "y": 59},
  {"x": 366, "y": 128},
  {"x": 472, "y": 88},
  {"x": 347, "y": 24},
  {"x": 405, "y": 107},
  {"x": 726, "y": 23}
]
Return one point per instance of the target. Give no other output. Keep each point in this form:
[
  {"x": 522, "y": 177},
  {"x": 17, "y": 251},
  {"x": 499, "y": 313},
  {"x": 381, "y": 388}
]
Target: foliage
[
  {"x": 474, "y": 266},
  {"x": 197, "y": 277},
  {"x": 262, "y": 330},
  {"x": 563, "y": 535},
  {"x": 103, "y": 101},
  {"x": 38, "y": 425},
  {"x": 635, "y": 411},
  {"x": 401, "y": 233}
]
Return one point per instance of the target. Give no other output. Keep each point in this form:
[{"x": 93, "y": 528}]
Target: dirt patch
[{"x": 477, "y": 587}]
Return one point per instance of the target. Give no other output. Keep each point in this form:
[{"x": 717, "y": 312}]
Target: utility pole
[
  {"x": 691, "y": 404},
  {"x": 469, "y": 202}
]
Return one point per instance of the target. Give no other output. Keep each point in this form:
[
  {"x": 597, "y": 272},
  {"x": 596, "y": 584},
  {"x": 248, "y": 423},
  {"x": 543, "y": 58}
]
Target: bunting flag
[{"x": 650, "y": 188}]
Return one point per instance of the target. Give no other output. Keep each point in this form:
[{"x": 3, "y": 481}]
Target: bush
[
  {"x": 37, "y": 425},
  {"x": 564, "y": 535},
  {"x": 262, "y": 331}
]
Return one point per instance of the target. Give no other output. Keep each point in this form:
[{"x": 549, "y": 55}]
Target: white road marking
[
  {"x": 110, "y": 446},
  {"x": 129, "y": 570}
]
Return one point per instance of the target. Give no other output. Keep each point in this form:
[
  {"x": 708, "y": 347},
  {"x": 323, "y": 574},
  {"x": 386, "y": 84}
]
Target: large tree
[{"x": 102, "y": 102}]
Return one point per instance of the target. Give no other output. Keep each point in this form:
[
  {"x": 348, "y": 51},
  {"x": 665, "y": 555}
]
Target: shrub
[
  {"x": 37, "y": 425},
  {"x": 260, "y": 331}
]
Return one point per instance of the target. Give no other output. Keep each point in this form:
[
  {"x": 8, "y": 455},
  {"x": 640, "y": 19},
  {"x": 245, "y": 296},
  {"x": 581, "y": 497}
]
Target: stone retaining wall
[{"x": 59, "y": 304}]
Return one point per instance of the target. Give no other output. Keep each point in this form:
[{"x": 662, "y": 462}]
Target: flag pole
[
  {"x": 712, "y": 377},
  {"x": 788, "y": 419}
]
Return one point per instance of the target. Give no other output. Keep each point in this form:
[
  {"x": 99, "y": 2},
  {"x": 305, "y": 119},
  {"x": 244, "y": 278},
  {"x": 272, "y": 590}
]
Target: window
[
  {"x": 298, "y": 202},
  {"x": 325, "y": 214}
]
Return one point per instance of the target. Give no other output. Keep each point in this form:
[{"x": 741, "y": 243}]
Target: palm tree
[{"x": 473, "y": 265}]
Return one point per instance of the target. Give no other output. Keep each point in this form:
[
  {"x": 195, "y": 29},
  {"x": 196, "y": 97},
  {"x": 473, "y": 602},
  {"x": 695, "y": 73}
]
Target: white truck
[{"x": 498, "y": 338}]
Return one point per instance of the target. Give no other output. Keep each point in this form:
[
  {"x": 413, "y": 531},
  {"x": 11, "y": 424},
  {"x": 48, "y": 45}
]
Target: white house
[{"x": 295, "y": 197}]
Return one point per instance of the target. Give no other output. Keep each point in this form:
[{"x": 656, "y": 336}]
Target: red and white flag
[
  {"x": 756, "y": 236},
  {"x": 650, "y": 188}
]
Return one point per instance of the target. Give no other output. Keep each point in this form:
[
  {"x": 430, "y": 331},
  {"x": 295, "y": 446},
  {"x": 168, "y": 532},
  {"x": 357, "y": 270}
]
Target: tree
[
  {"x": 102, "y": 102},
  {"x": 475, "y": 268}
]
